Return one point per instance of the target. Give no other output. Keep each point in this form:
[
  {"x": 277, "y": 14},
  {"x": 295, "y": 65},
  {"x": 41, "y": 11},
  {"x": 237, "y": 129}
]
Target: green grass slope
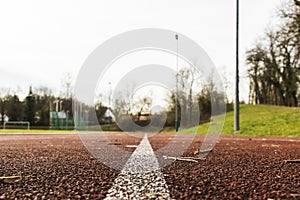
[{"x": 262, "y": 120}]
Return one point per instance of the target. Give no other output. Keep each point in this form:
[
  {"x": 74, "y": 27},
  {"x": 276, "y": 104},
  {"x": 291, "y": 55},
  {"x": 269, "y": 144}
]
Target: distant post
[
  {"x": 109, "y": 105},
  {"x": 237, "y": 101},
  {"x": 176, "y": 100}
]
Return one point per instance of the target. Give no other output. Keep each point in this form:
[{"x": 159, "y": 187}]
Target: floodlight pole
[
  {"x": 110, "y": 93},
  {"x": 176, "y": 99},
  {"x": 237, "y": 101},
  {"x": 109, "y": 102}
]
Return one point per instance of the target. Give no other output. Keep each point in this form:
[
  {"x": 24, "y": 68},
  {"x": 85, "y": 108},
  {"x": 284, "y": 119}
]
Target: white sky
[{"x": 42, "y": 40}]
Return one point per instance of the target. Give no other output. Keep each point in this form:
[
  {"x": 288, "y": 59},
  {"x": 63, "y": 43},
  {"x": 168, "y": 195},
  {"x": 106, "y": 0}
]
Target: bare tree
[
  {"x": 275, "y": 64},
  {"x": 188, "y": 87}
]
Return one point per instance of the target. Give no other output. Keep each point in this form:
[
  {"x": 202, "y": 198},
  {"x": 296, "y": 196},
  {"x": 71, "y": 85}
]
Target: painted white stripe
[{"x": 141, "y": 177}]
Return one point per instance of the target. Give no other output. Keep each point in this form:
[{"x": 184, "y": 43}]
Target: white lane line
[{"x": 141, "y": 177}]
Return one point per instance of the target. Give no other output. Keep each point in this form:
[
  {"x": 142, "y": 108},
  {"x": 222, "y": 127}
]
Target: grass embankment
[{"x": 262, "y": 120}]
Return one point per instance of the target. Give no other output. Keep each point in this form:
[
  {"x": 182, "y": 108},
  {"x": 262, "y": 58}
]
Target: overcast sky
[{"x": 42, "y": 40}]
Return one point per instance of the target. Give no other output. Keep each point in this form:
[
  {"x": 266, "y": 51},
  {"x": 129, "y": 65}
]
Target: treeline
[
  {"x": 199, "y": 107},
  {"x": 195, "y": 99},
  {"x": 35, "y": 108},
  {"x": 274, "y": 62},
  {"x": 194, "y": 106}
]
